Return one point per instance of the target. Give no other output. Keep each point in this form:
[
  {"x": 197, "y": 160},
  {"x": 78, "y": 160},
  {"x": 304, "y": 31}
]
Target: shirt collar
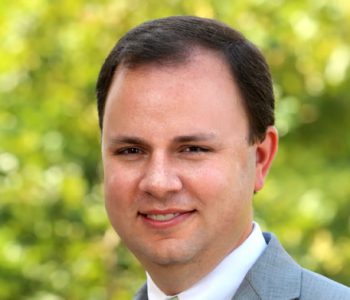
[{"x": 223, "y": 282}]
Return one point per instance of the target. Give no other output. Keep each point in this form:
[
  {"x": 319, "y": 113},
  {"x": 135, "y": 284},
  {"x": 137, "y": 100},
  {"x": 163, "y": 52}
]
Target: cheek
[
  {"x": 224, "y": 189},
  {"x": 118, "y": 178},
  {"x": 119, "y": 202},
  {"x": 118, "y": 187},
  {"x": 211, "y": 183}
]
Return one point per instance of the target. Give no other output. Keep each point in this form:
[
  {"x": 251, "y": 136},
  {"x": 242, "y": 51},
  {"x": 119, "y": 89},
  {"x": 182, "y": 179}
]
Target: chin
[
  {"x": 170, "y": 260},
  {"x": 166, "y": 256}
]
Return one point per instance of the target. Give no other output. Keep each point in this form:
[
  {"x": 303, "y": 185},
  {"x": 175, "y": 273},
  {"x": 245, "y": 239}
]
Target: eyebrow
[
  {"x": 197, "y": 137},
  {"x": 124, "y": 139}
]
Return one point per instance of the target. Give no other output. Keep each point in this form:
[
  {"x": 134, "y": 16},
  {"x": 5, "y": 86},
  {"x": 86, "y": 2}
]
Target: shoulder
[
  {"x": 312, "y": 285},
  {"x": 316, "y": 286},
  {"x": 276, "y": 275}
]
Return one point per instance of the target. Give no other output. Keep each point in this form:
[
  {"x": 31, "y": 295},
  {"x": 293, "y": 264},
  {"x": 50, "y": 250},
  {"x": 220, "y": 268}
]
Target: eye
[
  {"x": 195, "y": 149},
  {"x": 129, "y": 151}
]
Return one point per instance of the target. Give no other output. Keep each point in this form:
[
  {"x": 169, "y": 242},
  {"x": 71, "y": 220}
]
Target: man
[{"x": 186, "y": 109}]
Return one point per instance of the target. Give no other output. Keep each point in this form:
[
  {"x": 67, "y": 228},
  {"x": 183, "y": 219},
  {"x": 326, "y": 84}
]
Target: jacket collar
[{"x": 275, "y": 275}]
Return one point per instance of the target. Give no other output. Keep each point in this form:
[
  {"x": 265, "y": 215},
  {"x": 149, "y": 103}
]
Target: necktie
[{"x": 174, "y": 298}]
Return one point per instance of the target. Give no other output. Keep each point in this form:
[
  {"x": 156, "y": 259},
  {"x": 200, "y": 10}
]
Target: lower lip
[{"x": 182, "y": 217}]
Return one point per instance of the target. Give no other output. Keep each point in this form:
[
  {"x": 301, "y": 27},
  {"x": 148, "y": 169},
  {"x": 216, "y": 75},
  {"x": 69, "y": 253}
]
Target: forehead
[
  {"x": 199, "y": 66},
  {"x": 203, "y": 85}
]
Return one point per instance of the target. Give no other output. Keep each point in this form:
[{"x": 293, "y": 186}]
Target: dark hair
[{"x": 171, "y": 40}]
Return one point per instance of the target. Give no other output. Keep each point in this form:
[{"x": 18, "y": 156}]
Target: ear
[{"x": 265, "y": 153}]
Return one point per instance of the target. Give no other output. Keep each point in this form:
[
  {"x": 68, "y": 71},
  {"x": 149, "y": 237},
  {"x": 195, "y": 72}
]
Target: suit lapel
[
  {"x": 246, "y": 291},
  {"x": 275, "y": 275}
]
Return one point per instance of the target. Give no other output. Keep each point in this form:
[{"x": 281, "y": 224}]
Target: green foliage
[{"x": 55, "y": 239}]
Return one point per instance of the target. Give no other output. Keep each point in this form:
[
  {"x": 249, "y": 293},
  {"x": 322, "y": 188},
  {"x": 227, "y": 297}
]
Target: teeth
[{"x": 165, "y": 217}]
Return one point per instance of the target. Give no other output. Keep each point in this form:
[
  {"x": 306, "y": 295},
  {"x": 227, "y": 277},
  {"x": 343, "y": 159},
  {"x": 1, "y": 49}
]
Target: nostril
[{"x": 160, "y": 187}]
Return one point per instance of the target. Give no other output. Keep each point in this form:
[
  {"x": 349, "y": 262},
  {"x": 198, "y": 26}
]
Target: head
[
  {"x": 186, "y": 112},
  {"x": 170, "y": 41}
]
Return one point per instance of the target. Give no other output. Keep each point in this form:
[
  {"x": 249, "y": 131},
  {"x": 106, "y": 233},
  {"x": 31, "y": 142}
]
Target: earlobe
[{"x": 265, "y": 153}]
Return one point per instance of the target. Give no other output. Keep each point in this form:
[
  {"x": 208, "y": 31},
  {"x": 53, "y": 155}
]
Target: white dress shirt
[{"x": 223, "y": 282}]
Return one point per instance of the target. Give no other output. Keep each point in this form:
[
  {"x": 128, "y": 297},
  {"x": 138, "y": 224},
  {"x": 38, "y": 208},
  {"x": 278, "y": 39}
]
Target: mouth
[{"x": 162, "y": 219}]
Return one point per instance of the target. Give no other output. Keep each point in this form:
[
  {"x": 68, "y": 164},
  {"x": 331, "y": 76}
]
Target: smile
[
  {"x": 162, "y": 217},
  {"x": 157, "y": 219}
]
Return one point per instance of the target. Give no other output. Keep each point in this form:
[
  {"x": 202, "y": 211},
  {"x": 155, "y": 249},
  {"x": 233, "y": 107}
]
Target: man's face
[{"x": 179, "y": 171}]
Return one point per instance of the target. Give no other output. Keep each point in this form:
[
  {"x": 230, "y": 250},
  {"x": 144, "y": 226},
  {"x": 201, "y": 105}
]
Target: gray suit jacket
[{"x": 276, "y": 276}]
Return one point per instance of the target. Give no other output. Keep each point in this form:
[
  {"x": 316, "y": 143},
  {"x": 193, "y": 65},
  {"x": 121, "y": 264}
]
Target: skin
[{"x": 179, "y": 171}]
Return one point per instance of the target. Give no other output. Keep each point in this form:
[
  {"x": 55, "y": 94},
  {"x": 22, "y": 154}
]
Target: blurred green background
[{"x": 55, "y": 240}]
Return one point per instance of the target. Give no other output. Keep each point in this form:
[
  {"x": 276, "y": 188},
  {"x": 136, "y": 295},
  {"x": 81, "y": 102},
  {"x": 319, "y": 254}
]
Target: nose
[{"x": 160, "y": 178}]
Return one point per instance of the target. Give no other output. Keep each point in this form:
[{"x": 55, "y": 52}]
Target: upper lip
[{"x": 165, "y": 211}]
